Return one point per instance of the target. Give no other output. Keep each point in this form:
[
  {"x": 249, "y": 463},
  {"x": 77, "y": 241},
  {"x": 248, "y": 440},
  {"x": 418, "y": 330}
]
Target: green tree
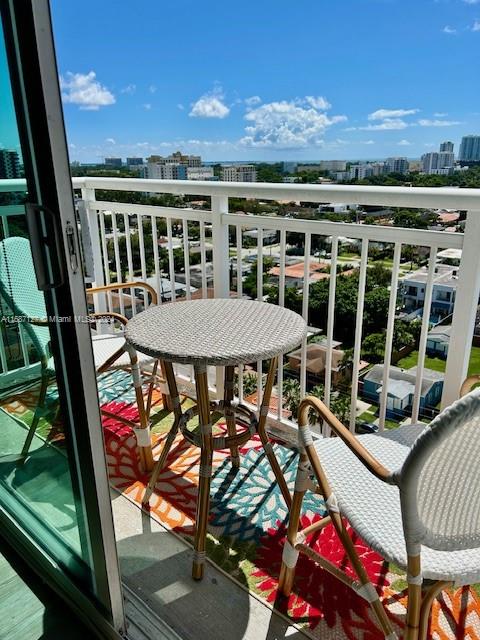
[
  {"x": 250, "y": 282},
  {"x": 373, "y": 347},
  {"x": 376, "y": 308}
]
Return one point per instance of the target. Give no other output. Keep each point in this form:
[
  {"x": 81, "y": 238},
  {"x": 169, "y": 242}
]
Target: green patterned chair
[{"x": 21, "y": 297}]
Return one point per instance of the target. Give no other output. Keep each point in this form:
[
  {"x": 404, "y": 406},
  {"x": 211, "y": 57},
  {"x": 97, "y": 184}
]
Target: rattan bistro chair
[
  {"x": 19, "y": 292},
  {"x": 412, "y": 494}
]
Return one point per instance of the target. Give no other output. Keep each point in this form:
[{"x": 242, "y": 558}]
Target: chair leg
[
  {"x": 36, "y": 418},
  {"x": 144, "y": 445},
  {"x": 267, "y": 393},
  {"x": 230, "y": 414},
  {"x": 414, "y": 599},
  {"x": 369, "y": 592},
  {"x": 203, "y": 502},
  {"x": 287, "y": 572},
  {"x": 426, "y": 606},
  {"x": 160, "y": 463},
  {"x": 374, "y": 598}
]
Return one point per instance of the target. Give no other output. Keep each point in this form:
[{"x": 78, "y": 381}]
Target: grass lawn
[
  {"x": 474, "y": 365},
  {"x": 348, "y": 256},
  {"x": 367, "y": 416},
  {"x": 438, "y": 364},
  {"x": 371, "y": 415}
]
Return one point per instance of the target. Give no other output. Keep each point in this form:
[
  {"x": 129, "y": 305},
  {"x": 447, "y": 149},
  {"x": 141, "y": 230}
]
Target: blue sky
[{"x": 268, "y": 79}]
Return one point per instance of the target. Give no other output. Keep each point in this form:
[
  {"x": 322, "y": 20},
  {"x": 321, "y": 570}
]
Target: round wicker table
[{"x": 222, "y": 333}]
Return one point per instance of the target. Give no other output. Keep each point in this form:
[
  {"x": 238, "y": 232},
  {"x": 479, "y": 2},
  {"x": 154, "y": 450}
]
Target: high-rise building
[
  {"x": 363, "y": 170},
  {"x": 200, "y": 173},
  {"x": 9, "y": 164},
  {"x": 113, "y": 162},
  {"x": 377, "y": 168},
  {"x": 440, "y": 163},
  {"x": 446, "y": 147},
  {"x": 176, "y": 158},
  {"x": 396, "y": 165},
  {"x": 469, "y": 149},
  {"x": 188, "y": 161},
  {"x": 133, "y": 162},
  {"x": 159, "y": 171},
  {"x": 239, "y": 173}
]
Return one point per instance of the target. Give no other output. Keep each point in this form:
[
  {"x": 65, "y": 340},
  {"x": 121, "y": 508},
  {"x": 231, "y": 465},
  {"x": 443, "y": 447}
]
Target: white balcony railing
[{"x": 221, "y": 233}]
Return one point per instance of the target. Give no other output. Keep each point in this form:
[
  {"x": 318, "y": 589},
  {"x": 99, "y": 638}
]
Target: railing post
[
  {"x": 88, "y": 196},
  {"x": 466, "y": 303},
  {"x": 221, "y": 266},
  {"x": 221, "y": 263}
]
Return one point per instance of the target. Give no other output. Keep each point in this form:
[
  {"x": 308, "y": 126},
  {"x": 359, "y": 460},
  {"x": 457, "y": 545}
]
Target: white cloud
[
  {"x": 368, "y": 142},
  {"x": 147, "y": 106},
  {"x": 288, "y": 124},
  {"x": 448, "y": 29},
  {"x": 318, "y": 102},
  {"x": 83, "y": 89},
  {"x": 404, "y": 143},
  {"x": 438, "y": 123},
  {"x": 130, "y": 89},
  {"x": 439, "y": 114},
  {"x": 252, "y": 101},
  {"x": 476, "y": 25},
  {"x": 210, "y": 105},
  {"x": 384, "y": 114},
  {"x": 110, "y": 140},
  {"x": 472, "y": 1},
  {"x": 180, "y": 106},
  {"x": 152, "y": 88},
  {"x": 389, "y": 124}
]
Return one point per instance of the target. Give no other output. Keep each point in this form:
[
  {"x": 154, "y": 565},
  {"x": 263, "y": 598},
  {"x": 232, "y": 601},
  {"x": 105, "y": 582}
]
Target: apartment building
[
  {"x": 469, "y": 149},
  {"x": 446, "y": 147},
  {"x": 113, "y": 162},
  {"x": 176, "y": 158},
  {"x": 200, "y": 173},
  {"x": 9, "y": 164},
  {"x": 396, "y": 165},
  {"x": 239, "y": 173},
  {"x": 439, "y": 162},
  {"x": 158, "y": 171},
  {"x": 364, "y": 170}
]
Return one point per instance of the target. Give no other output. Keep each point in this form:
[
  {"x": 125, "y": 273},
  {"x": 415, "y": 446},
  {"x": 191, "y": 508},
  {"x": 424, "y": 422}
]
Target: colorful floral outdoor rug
[{"x": 247, "y": 527}]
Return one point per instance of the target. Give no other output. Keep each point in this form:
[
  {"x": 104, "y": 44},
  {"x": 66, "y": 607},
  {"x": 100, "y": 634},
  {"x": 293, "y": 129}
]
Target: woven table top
[{"x": 216, "y": 331}]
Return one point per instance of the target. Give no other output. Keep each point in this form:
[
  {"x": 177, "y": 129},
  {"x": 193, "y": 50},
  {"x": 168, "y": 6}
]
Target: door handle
[{"x": 47, "y": 246}]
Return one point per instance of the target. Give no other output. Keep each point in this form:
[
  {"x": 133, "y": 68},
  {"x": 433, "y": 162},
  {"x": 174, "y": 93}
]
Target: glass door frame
[{"x": 35, "y": 86}]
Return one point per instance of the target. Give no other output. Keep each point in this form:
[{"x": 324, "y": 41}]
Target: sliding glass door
[{"x": 54, "y": 497}]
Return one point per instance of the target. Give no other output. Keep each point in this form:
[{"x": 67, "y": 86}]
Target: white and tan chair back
[{"x": 440, "y": 481}]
